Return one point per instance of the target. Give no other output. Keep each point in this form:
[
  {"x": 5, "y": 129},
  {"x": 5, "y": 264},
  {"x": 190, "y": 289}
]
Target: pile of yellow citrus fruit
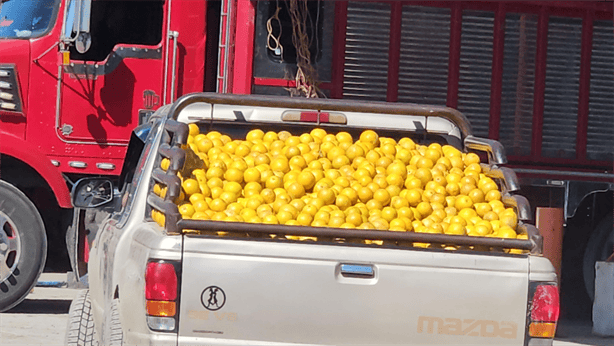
[{"x": 333, "y": 180}]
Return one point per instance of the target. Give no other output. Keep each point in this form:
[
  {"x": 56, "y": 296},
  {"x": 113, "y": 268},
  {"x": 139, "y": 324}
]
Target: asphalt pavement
[
  {"x": 42, "y": 317},
  {"x": 579, "y": 333}
]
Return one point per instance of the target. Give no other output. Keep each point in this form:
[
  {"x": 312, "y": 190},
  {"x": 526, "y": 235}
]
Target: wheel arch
[
  {"x": 25, "y": 154},
  {"x": 48, "y": 193},
  {"x": 594, "y": 206}
]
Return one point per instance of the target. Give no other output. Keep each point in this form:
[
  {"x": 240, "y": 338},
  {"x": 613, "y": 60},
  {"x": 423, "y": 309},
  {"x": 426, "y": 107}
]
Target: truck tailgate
[{"x": 254, "y": 291}]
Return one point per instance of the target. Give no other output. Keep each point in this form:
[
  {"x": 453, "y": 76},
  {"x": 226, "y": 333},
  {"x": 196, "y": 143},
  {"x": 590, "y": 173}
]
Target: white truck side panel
[
  {"x": 541, "y": 269},
  {"x": 294, "y": 293}
]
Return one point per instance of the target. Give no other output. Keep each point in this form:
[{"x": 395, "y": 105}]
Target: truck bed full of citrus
[{"x": 322, "y": 179}]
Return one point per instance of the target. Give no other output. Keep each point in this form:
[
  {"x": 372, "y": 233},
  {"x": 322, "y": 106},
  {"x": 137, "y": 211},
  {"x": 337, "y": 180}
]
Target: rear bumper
[
  {"x": 153, "y": 338},
  {"x": 198, "y": 341},
  {"x": 540, "y": 342}
]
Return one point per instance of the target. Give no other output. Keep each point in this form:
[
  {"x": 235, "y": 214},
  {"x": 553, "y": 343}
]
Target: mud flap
[
  {"x": 74, "y": 239},
  {"x": 79, "y": 238},
  {"x": 603, "y": 324}
]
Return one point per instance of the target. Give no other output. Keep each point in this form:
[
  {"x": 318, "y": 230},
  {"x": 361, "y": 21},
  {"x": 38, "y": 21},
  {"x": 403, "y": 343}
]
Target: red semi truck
[{"x": 76, "y": 77}]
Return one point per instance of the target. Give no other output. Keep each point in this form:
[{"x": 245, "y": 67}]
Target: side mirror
[
  {"x": 83, "y": 43},
  {"x": 92, "y": 192},
  {"x": 77, "y": 21}
]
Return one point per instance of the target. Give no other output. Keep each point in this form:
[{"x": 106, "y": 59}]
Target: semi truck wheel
[
  {"x": 23, "y": 246},
  {"x": 80, "y": 330},
  {"x": 599, "y": 247}
]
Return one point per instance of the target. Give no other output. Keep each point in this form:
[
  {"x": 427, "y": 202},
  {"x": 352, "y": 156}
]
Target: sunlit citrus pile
[{"x": 332, "y": 180}]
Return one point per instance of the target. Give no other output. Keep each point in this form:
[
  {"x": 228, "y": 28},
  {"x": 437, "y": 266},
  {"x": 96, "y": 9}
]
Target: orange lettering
[
  {"x": 430, "y": 324},
  {"x": 453, "y": 326},
  {"x": 486, "y": 332},
  {"x": 508, "y": 330}
]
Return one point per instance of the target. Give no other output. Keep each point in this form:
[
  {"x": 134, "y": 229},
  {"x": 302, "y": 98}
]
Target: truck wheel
[
  {"x": 599, "y": 247},
  {"x": 81, "y": 331},
  {"x": 23, "y": 246}
]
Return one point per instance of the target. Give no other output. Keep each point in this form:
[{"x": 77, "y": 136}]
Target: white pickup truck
[{"x": 186, "y": 281}]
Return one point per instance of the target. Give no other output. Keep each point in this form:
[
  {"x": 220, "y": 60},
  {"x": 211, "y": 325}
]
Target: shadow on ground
[
  {"x": 581, "y": 332},
  {"x": 41, "y": 306}
]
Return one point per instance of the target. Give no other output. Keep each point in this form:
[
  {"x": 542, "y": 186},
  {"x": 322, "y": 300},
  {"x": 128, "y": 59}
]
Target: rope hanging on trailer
[
  {"x": 306, "y": 75},
  {"x": 276, "y": 46},
  {"x": 306, "y": 78}
]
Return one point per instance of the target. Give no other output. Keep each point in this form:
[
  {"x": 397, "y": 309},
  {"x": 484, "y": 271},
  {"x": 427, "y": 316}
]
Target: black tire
[
  {"x": 116, "y": 334},
  {"x": 23, "y": 246},
  {"x": 599, "y": 247},
  {"x": 80, "y": 330}
]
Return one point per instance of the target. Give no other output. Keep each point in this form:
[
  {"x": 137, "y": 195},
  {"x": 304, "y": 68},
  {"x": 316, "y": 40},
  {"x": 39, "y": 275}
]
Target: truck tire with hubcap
[{"x": 23, "y": 246}]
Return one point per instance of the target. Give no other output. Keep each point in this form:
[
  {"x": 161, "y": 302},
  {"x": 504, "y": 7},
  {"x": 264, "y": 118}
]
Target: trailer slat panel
[
  {"x": 367, "y": 51},
  {"x": 600, "y": 134},
  {"x": 476, "y": 68},
  {"x": 425, "y": 41},
  {"x": 562, "y": 87}
]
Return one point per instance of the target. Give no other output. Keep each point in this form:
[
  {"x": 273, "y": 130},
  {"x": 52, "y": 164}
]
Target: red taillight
[
  {"x": 545, "y": 306},
  {"x": 160, "y": 282},
  {"x": 544, "y": 311}
]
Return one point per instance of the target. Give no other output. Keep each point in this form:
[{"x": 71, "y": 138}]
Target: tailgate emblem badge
[{"x": 213, "y": 298}]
